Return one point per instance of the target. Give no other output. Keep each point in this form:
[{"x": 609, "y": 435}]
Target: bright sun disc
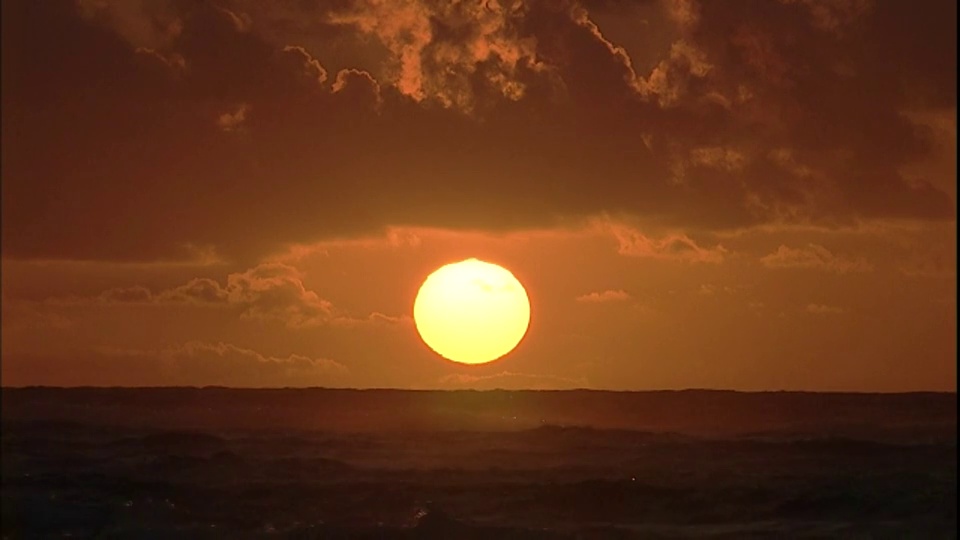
[{"x": 471, "y": 311}]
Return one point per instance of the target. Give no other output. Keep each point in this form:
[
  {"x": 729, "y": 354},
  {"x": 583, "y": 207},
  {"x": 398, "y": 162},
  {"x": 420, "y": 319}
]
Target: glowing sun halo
[{"x": 471, "y": 311}]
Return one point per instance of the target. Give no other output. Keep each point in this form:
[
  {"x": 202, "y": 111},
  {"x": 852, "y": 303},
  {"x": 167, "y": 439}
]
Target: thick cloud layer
[{"x": 153, "y": 129}]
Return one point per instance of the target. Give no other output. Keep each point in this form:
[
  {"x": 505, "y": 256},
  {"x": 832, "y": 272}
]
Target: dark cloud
[{"x": 148, "y": 130}]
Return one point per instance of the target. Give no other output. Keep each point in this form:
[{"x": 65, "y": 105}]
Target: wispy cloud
[
  {"x": 270, "y": 291},
  {"x": 817, "y": 257},
  {"x": 670, "y": 247},
  {"x": 609, "y": 295},
  {"x": 233, "y": 120}
]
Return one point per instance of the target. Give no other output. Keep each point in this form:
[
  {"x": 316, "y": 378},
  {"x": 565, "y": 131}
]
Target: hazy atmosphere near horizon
[{"x": 747, "y": 195}]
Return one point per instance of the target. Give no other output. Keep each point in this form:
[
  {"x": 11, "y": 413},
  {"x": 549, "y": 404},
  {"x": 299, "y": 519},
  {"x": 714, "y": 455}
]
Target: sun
[{"x": 472, "y": 311}]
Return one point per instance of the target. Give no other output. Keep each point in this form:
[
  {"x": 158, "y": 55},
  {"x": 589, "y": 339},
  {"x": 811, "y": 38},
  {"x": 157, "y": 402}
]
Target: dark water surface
[{"x": 222, "y": 463}]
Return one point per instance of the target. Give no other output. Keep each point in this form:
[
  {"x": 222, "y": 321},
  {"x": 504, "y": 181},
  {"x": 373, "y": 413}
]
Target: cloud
[
  {"x": 143, "y": 24},
  {"x": 671, "y": 247},
  {"x": 446, "y": 52},
  {"x": 194, "y": 363},
  {"x": 823, "y": 309},
  {"x": 311, "y": 65},
  {"x": 465, "y": 115},
  {"x": 717, "y": 157},
  {"x": 669, "y": 83},
  {"x": 270, "y": 291},
  {"x": 375, "y": 318},
  {"x": 709, "y": 289},
  {"x": 814, "y": 256},
  {"x": 232, "y": 121},
  {"x": 197, "y": 290},
  {"x": 509, "y": 380},
  {"x": 833, "y": 16},
  {"x": 350, "y": 78},
  {"x": 618, "y": 295},
  {"x": 222, "y": 360},
  {"x": 175, "y": 62},
  {"x": 276, "y": 291},
  {"x": 392, "y": 238},
  {"x": 126, "y": 295},
  {"x": 241, "y": 21}
]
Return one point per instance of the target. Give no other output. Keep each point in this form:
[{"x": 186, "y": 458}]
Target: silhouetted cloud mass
[{"x": 147, "y": 130}]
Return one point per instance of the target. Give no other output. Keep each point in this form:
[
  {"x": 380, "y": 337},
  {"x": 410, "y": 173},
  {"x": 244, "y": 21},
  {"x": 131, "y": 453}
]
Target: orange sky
[{"x": 750, "y": 195}]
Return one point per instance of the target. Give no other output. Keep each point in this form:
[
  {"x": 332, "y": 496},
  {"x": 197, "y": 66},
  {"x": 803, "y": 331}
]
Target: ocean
[{"x": 384, "y": 464}]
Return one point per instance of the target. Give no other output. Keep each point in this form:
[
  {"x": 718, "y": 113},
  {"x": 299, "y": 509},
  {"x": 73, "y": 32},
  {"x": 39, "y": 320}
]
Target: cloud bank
[{"x": 245, "y": 126}]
